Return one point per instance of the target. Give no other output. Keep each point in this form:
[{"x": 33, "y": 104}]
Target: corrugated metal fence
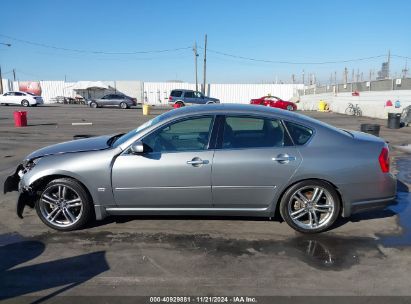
[{"x": 157, "y": 93}]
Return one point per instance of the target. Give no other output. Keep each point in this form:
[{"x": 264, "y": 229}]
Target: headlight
[{"x": 29, "y": 164}]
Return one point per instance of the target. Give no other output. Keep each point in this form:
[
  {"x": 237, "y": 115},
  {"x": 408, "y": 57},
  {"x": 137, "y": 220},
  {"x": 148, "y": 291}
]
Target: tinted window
[
  {"x": 18, "y": 94},
  {"x": 198, "y": 95},
  {"x": 176, "y": 93},
  {"x": 299, "y": 134},
  {"x": 186, "y": 135},
  {"x": 117, "y": 97},
  {"x": 189, "y": 94},
  {"x": 248, "y": 132}
]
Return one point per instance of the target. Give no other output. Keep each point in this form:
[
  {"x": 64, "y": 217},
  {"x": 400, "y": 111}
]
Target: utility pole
[
  {"x": 14, "y": 74},
  {"x": 345, "y": 75},
  {"x": 1, "y": 82},
  {"x": 205, "y": 64},
  {"x": 352, "y": 76},
  {"x": 388, "y": 64},
  {"x": 405, "y": 70},
  {"x": 195, "y": 63},
  {"x": 303, "y": 78},
  {"x": 293, "y": 78},
  {"x": 358, "y": 75}
]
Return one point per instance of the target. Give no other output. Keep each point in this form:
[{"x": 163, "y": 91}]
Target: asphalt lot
[{"x": 368, "y": 254}]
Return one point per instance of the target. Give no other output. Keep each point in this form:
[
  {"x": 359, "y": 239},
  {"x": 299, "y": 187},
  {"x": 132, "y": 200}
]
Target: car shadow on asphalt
[{"x": 65, "y": 272}]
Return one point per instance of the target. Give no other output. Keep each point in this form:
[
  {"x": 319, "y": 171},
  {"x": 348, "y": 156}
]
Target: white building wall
[{"x": 372, "y": 104}]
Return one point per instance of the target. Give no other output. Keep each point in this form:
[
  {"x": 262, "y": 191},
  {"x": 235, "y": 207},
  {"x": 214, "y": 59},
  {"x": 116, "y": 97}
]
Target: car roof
[
  {"x": 183, "y": 90},
  {"x": 228, "y": 108}
]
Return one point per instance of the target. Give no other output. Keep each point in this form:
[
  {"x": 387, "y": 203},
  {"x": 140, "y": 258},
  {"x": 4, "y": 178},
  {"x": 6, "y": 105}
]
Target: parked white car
[{"x": 21, "y": 98}]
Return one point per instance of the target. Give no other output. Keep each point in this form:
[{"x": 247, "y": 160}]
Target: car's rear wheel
[
  {"x": 93, "y": 105},
  {"x": 290, "y": 108},
  {"x": 310, "y": 206},
  {"x": 123, "y": 105},
  {"x": 25, "y": 103},
  {"x": 64, "y": 205}
]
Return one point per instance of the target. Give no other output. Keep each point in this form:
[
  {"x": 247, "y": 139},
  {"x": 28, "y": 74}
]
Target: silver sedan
[{"x": 231, "y": 160}]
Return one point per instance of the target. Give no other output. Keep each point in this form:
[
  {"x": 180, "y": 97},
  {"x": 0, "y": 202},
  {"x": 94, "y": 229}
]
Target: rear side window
[
  {"x": 250, "y": 132},
  {"x": 176, "y": 93},
  {"x": 299, "y": 133},
  {"x": 189, "y": 94}
]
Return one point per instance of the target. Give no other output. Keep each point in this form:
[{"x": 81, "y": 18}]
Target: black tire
[
  {"x": 123, "y": 106},
  {"x": 349, "y": 111},
  {"x": 93, "y": 105},
  {"x": 180, "y": 104},
  {"x": 25, "y": 103},
  {"x": 290, "y": 108},
  {"x": 287, "y": 203},
  {"x": 87, "y": 205}
]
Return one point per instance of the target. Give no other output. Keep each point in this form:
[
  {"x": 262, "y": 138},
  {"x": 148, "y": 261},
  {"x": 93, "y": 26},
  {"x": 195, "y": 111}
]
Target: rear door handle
[{"x": 283, "y": 158}]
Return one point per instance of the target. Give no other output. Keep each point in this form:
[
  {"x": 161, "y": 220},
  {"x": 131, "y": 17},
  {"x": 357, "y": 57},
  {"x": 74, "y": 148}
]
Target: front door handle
[
  {"x": 283, "y": 158},
  {"x": 196, "y": 162}
]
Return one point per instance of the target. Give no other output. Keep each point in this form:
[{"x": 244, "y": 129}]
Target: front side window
[
  {"x": 250, "y": 132},
  {"x": 187, "y": 135},
  {"x": 299, "y": 134},
  {"x": 198, "y": 95}
]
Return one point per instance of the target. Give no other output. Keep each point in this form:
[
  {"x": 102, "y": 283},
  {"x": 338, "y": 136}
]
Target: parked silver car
[
  {"x": 227, "y": 160},
  {"x": 113, "y": 100},
  {"x": 189, "y": 97}
]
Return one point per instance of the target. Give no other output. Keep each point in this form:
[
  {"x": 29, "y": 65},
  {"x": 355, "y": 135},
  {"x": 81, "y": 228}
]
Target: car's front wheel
[
  {"x": 310, "y": 206},
  {"x": 64, "y": 205},
  {"x": 123, "y": 105},
  {"x": 25, "y": 103},
  {"x": 93, "y": 105},
  {"x": 290, "y": 108}
]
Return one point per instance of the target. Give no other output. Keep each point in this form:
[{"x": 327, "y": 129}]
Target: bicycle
[{"x": 353, "y": 110}]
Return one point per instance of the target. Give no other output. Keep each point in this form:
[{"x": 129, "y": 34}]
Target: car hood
[{"x": 79, "y": 145}]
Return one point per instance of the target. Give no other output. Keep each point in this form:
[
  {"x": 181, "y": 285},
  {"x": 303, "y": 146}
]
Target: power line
[
  {"x": 89, "y": 51},
  {"x": 293, "y": 62}
]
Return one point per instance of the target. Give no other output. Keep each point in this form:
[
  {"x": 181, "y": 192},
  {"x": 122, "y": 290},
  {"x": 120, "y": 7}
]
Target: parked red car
[{"x": 275, "y": 102}]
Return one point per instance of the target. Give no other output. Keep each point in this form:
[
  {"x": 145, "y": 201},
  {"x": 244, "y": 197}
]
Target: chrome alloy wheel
[
  {"x": 61, "y": 205},
  {"x": 311, "y": 207}
]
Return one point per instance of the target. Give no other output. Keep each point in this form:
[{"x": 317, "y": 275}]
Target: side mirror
[{"x": 137, "y": 147}]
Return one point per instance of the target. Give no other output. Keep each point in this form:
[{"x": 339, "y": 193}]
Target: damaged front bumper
[{"x": 14, "y": 183}]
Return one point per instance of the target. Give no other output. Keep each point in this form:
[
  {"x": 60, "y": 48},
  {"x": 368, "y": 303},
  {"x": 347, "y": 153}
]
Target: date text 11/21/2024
[{"x": 205, "y": 299}]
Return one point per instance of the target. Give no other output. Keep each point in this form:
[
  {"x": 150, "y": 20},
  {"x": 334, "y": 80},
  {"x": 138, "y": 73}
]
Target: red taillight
[
  {"x": 170, "y": 98},
  {"x": 384, "y": 160}
]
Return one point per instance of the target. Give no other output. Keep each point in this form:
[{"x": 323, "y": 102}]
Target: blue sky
[{"x": 296, "y": 31}]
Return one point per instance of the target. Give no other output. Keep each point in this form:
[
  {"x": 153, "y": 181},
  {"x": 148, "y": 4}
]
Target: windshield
[{"x": 144, "y": 126}]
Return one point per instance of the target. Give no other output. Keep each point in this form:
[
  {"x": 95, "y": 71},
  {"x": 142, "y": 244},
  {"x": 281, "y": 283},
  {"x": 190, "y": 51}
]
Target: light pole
[{"x": 1, "y": 77}]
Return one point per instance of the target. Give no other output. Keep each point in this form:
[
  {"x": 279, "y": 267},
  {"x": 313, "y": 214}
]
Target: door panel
[
  {"x": 250, "y": 177},
  {"x": 174, "y": 172},
  {"x": 163, "y": 180},
  {"x": 255, "y": 158}
]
